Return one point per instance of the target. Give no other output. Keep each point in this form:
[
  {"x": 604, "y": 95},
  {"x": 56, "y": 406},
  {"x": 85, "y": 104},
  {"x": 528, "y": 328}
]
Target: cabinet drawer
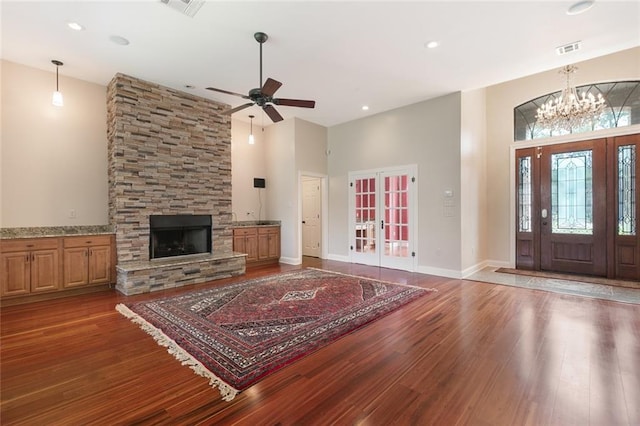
[
  {"x": 239, "y": 232},
  {"x": 87, "y": 241},
  {"x": 269, "y": 230},
  {"x": 29, "y": 244}
]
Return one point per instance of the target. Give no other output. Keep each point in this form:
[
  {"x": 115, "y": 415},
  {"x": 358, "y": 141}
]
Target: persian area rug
[{"x": 237, "y": 334}]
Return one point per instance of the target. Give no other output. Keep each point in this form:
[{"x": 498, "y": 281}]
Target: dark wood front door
[
  {"x": 573, "y": 207},
  {"x": 577, "y": 206}
]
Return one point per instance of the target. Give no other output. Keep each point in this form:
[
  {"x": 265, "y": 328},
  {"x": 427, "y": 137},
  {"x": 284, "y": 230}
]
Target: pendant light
[
  {"x": 57, "y": 95},
  {"x": 251, "y": 138}
]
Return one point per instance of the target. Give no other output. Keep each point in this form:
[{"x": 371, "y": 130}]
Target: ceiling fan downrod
[{"x": 260, "y": 38}]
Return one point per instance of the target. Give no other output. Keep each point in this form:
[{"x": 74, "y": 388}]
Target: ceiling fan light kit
[{"x": 263, "y": 95}]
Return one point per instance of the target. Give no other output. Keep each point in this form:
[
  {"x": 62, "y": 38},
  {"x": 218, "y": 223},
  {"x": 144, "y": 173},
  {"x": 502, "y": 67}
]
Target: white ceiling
[{"x": 341, "y": 54}]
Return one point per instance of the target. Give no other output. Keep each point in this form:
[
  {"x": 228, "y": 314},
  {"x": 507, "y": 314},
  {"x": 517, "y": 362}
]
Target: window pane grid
[
  {"x": 571, "y": 193},
  {"x": 627, "y": 190},
  {"x": 365, "y": 210},
  {"x": 524, "y": 194}
]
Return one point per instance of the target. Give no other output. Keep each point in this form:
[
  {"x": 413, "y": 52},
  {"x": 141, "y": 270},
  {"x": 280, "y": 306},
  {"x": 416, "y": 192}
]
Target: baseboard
[
  {"x": 339, "y": 258},
  {"x": 448, "y": 273},
  {"x": 291, "y": 260},
  {"x": 474, "y": 268},
  {"x": 499, "y": 264}
]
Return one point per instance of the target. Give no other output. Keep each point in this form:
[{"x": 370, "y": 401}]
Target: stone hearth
[{"x": 169, "y": 154}]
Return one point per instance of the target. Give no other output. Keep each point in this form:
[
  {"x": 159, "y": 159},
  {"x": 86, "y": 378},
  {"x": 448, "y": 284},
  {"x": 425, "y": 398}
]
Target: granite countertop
[
  {"x": 54, "y": 231},
  {"x": 244, "y": 223}
]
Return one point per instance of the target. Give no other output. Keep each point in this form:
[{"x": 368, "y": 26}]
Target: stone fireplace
[{"x": 169, "y": 156}]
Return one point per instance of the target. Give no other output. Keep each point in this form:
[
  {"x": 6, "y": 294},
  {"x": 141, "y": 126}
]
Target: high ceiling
[{"x": 342, "y": 54}]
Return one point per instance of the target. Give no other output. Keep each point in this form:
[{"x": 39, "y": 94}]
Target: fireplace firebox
[{"x": 179, "y": 235}]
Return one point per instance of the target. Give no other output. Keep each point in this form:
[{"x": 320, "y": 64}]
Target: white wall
[
  {"x": 473, "y": 191},
  {"x": 282, "y": 183},
  {"x": 54, "y": 159},
  {"x": 248, "y": 162},
  {"x": 501, "y": 99},
  {"x": 426, "y": 134}
]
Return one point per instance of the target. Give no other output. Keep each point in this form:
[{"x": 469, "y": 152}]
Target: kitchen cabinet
[
  {"x": 29, "y": 266},
  {"x": 87, "y": 260},
  {"x": 261, "y": 244}
]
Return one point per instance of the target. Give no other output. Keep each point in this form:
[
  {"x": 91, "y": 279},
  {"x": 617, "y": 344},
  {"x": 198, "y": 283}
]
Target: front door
[
  {"x": 577, "y": 206},
  {"x": 573, "y": 197}
]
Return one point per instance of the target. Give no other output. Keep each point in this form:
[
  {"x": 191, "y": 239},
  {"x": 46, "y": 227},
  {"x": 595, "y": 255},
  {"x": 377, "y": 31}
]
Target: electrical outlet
[{"x": 72, "y": 214}]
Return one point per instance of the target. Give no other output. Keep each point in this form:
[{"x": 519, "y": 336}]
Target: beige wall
[
  {"x": 501, "y": 99},
  {"x": 54, "y": 160},
  {"x": 248, "y": 162},
  {"x": 473, "y": 198},
  {"x": 294, "y": 145},
  {"x": 426, "y": 134}
]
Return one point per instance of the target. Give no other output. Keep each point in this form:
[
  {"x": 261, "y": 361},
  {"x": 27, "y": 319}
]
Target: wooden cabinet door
[
  {"x": 16, "y": 273},
  {"x": 44, "y": 270},
  {"x": 76, "y": 267},
  {"x": 251, "y": 247},
  {"x": 99, "y": 264},
  {"x": 269, "y": 243},
  {"x": 263, "y": 244}
]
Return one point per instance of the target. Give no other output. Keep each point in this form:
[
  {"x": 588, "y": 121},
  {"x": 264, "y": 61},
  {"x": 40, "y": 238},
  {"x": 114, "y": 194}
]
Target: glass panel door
[
  {"x": 397, "y": 224},
  {"x": 573, "y": 208},
  {"x": 364, "y": 227},
  {"x": 383, "y": 217}
]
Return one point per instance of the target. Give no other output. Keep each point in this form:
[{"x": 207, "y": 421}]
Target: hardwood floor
[{"x": 472, "y": 353}]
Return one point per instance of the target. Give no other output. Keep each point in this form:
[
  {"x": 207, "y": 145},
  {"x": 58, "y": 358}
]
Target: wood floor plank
[{"x": 471, "y": 353}]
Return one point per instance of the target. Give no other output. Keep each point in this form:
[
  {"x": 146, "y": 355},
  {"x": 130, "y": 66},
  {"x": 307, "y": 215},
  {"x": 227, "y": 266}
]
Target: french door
[
  {"x": 383, "y": 217},
  {"x": 577, "y": 206}
]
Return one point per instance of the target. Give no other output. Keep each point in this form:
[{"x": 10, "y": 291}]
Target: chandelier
[{"x": 571, "y": 109}]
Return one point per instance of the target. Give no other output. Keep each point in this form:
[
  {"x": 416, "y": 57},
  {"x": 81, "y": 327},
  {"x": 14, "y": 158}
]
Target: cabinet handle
[
  {"x": 33, "y": 257},
  {"x": 27, "y": 258}
]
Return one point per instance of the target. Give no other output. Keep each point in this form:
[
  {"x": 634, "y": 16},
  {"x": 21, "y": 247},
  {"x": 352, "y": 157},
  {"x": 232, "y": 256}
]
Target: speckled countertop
[
  {"x": 243, "y": 223},
  {"x": 54, "y": 231}
]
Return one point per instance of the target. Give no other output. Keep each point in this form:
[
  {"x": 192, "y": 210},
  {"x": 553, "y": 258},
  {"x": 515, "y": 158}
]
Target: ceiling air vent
[
  {"x": 568, "y": 48},
  {"x": 186, "y": 7}
]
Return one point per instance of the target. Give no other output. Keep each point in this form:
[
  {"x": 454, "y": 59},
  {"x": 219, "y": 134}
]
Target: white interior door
[
  {"x": 311, "y": 217},
  {"x": 383, "y": 215}
]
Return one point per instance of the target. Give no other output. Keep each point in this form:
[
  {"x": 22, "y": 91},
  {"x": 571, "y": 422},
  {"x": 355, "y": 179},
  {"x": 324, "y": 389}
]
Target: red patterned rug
[{"x": 237, "y": 334}]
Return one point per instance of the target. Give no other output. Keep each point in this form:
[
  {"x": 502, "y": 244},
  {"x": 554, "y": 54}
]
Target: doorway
[
  {"x": 311, "y": 216},
  {"x": 576, "y": 208},
  {"x": 383, "y": 217}
]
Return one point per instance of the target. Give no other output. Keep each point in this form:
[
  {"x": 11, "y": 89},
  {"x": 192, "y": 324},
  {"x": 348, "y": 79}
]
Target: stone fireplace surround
[{"x": 169, "y": 153}]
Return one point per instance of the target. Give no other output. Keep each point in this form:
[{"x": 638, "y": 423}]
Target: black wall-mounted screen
[{"x": 259, "y": 183}]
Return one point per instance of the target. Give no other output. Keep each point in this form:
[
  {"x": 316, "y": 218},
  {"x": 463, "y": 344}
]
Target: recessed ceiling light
[
  {"x": 580, "y": 7},
  {"x": 431, "y": 44},
  {"x": 119, "y": 40},
  {"x": 365, "y": 108},
  {"x": 75, "y": 26}
]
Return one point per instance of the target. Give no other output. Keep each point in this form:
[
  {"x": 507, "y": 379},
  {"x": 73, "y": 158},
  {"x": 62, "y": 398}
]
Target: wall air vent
[
  {"x": 186, "y": 7},
  {"x": 568, "y": 48}
]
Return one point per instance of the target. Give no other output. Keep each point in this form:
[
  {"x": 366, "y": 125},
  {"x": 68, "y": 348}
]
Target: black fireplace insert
[{"x": 179, "y": 235}]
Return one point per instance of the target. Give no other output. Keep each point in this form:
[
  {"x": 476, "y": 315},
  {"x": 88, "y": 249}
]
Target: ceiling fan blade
[
  {"x": 270, "y": 87},
  {"x": 272, "y": 113},
  {"x": 295, "y": 103},
  {"x": 226, "y": 92},
  {"x": 236, "y": 109}
]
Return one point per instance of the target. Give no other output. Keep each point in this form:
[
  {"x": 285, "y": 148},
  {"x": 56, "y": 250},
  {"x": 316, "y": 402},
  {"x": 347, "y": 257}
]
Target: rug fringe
[{"x": 226, "y": 391}]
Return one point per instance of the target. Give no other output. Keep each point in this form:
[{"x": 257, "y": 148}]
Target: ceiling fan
[{"x": 263, "y": 96}]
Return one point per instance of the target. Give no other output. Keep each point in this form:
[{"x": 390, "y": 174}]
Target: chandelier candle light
[{"x": 571, "y": 109}]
